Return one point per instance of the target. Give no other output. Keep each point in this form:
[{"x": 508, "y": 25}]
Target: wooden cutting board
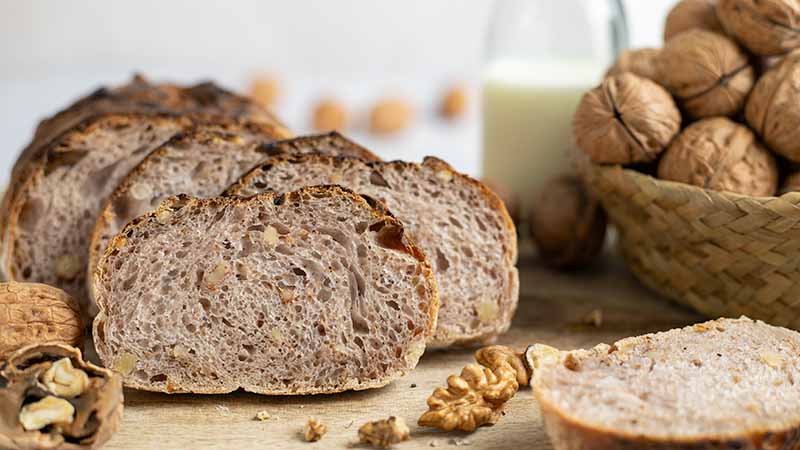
[{"x": 552, "y": 310}]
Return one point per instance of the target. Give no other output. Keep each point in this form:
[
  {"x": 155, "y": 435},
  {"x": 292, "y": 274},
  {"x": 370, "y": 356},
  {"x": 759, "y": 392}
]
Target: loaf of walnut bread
[
  {"x": 201, "y": 162},
  {"x": 461, "y": 226},
  {"x": 314, "y": 291},
  {"x": 724, "y": 384},
  {"x": 53, "y": 213}
]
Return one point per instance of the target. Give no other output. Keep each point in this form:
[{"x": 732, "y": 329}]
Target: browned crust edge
[
  {"x": 378, "y": 211},
  {"x": 435, "y": 164},
  {"x": 334, "y": 138}
]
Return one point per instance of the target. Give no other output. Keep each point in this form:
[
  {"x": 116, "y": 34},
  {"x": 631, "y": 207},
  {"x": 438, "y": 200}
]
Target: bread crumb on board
[{"x": 262, "y": 416}]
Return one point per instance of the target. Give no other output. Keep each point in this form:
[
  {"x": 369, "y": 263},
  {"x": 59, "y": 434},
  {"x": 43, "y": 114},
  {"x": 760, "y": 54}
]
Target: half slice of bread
[
  {"x": 315, "y": 291},
  {"x": 54, "y": 212},
  {"x": 201, "y": 163},
  {"x": 461, "y": 225},
  {"x": 724, "y": 384}
]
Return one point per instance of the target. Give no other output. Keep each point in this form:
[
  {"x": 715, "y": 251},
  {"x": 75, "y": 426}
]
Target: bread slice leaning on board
[
  {"x": 201, "y": 162},
  {"x": 724, "y": 384},
  {"x": 461, "y": 225},
  {"x": 53, "y": 213},
  {"x": 314, "y": 291}
]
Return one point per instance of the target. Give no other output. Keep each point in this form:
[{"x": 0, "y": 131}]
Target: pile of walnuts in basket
[{"x": 717, "y": 107}]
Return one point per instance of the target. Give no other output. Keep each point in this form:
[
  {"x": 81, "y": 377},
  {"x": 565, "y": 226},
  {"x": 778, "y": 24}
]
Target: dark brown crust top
[
  {"x": 333, "y": 139},
  {"x": 388, "y": 228},
  {"x": 225, "y": 129},
  {"x": 429, "y": 161}
]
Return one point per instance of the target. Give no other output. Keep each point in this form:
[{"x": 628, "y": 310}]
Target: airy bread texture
[
  {"x": 724, "y": 384},
  {"x": 460, "y": 225},
  {"x": 201, "y": 163},
  {"x": 51, "y": 218},
  {"x": 314, "y": 291}
]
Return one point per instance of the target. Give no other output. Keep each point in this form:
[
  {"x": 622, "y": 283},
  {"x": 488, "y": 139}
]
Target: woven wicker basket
[{"x": 722, "y": 254}]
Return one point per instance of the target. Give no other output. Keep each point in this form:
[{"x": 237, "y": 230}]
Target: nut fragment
[
  {"x": 765, "y": 27},
  {"x": 707, "y": 73},
  {"x": 125, "y": 364},
  {"x": 271, "y": 236},
  {"x": 539, "y": 355},
  {"x": 68, "y": 266},
  {"x": 627, "y": 119},
  {"x": 773, "y": 360},
  {"x": 262, "y": 416},
  {"x": 567, "y": 224},
  {"x": 47, "y": 411},
  {"x": 330, "y": 115},
  {"x": 721, "y": 155},
  {"x": 34, "y": 313},
  {"x": 384, "y": 433},
  {"x": 473, "y": 399},
  {"x": 500, "y": 357},
  {"x": 216, "y": 275},
  {"x": 314, "y": 430},
  {"x": 454, "y": 103},
  {"x": 773, "y": 109},
  {"x": 488, "y": 312},
  {"x": 390, "y": 116},
  {"x": 691, "y": 14},
  {"x": 641, "y": 62},
  {"x": 64, "y": 380}
]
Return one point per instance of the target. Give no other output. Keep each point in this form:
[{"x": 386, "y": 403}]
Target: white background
[{"x": 52, "y": 51}]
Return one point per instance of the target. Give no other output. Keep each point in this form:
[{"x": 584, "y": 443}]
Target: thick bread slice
[
  {"x": 201, "y": 163},
  {"x": 137, "y": 96},
  {"x": 310, "y": 292},
  {"x": 461, "y": 225},
  {"x": 52, "y": 217},
  {"x": 724, "y": 384}
]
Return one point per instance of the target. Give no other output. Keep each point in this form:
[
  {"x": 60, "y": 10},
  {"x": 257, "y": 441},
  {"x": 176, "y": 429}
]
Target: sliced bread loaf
[
  {"x": 724, "y": 384},
  {"x": 315, "y": 291},
  {"x": 461, "y": 225},
  {"x": 54, "y": 212},
  {"x": 201, "y": 163}
]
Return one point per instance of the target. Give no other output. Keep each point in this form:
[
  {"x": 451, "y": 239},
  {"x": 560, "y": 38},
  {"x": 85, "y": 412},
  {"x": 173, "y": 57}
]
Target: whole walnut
[
  {"x": 567, "y": 224},
  {"x": 627, "y": 119},
  {"x": 690, "y": 14},
  {"x": 707, "y": 73},
  {"x": 773, "y": 109},
  {"x": 766, "y": 27},
  {"x": 640, "y": 61},
  {"x": 721, "y": 155}
]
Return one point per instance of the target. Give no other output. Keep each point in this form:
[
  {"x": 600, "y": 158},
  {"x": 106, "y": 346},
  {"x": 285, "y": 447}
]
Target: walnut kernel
[
  {"x": 125, "y": 364},
  {"x": 330, "y": 115},
  {"x": 384, "y": 433},
  {"x": 500, "y": 357},
  {"x": 707, "y": 72},
  {"x": 721, "y": 155},
  {"x": 627, "y": 119},
  {"x": 765, "y": 27},
  {"x": 390, "y": 116},
  {"x": 539, "y": 355},
  {"x": 64, "y": 380},
  {"x": 314, "y": 430},
  {"x": 691, "y": 14},
  {"x": 47, "y": 411},
  {"x": 567, "y": 224}
]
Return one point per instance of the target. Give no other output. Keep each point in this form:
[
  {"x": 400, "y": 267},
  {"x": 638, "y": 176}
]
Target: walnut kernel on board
[
  {"x": 51, "y": 399},
  {"x": 626, "y": 119},
  {"x": 721, "y": 155},
  {"x": 707, "y": 73}
]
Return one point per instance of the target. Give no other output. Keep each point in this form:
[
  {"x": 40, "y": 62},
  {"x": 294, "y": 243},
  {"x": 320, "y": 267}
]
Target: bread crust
[
  {"x": 378, "y": 210},
  {"x": 439, "y": 340},
  {"x": 333, "y": 139}
]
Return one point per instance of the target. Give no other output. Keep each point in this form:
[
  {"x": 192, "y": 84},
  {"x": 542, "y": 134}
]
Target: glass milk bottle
[{"x": 542, "y": 55}]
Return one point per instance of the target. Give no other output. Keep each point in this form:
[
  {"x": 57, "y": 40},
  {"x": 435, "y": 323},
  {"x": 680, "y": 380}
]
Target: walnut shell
[
  {"x": 32, "y": 313},
  {"x": 567, "y": 224},
  {"x": 640, "y": 61},
  {"x": 627, "y": 119},
  {"x": 765, "y": 27},
  {"x": 98, "y": 409},
  {"x": 690, "y": 14},
  {"x": 773, "y": 109},
  {"x": 707, "y": 73},
  {"x": 722, "y": 155}
]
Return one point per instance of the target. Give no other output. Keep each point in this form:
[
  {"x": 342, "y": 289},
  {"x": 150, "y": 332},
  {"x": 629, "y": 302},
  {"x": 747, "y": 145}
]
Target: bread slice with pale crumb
[
  {"x": 201, "y": 162},
  {"x": 310, "y": 292},
  {"x": 724, "y": 384},
  {"x": 461, "y": 225}
]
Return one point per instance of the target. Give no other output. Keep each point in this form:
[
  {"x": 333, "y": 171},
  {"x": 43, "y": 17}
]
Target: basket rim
[{"x": 690, "y": 188}]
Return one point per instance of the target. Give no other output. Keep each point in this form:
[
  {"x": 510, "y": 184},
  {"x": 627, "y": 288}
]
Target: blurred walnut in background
[
  {"x": 454, "y": 103},
  {"x": 390, "y": 116},
  {"x": 265, "y": 90},
  {"x": 765, "y": 27},
  {"x": 330, "y": 115}
]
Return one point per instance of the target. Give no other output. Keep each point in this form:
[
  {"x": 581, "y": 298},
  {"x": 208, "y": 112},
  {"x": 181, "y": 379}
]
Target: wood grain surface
[{"x": 552, "y": 311}]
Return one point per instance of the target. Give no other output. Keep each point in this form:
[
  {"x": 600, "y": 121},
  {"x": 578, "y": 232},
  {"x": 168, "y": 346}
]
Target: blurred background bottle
[{"x": 541, "y": 56}]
